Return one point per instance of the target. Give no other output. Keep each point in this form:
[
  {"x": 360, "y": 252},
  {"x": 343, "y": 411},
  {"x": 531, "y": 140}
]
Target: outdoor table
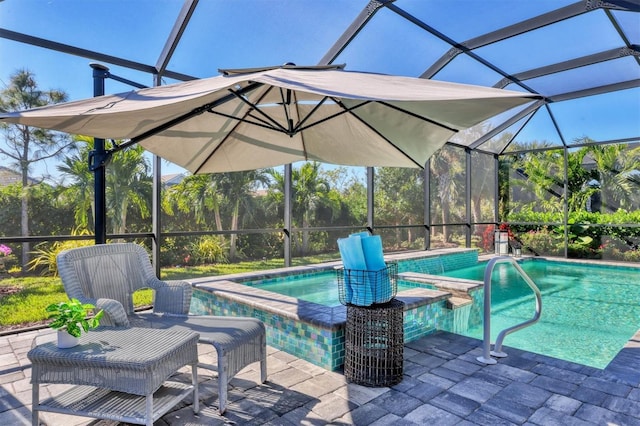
[
  {"x": 374, "y": 344},
  {"x": 121, "y": 374}
]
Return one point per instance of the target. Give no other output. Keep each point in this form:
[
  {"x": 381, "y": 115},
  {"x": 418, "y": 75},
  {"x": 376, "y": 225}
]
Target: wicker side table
[
  {"x": 374, "y": 344},
  {"x": 121, "y": 374}
]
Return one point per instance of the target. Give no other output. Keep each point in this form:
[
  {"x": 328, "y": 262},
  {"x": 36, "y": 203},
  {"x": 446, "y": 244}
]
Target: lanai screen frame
[{"x": 468, "y": 47}]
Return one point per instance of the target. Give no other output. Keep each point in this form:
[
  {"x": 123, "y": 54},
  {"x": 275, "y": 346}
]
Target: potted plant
[{"x": 70, "y": 319}]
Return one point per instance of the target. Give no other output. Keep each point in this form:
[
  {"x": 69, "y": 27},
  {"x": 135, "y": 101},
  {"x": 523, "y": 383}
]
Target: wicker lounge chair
[{"x": 106, "y": 276}]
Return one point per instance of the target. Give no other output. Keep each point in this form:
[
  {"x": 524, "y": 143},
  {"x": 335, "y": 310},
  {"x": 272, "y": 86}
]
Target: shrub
[
  {"x": 174, "y": 251},
  {"x": 543, "y": 242},
  {"x": 45, "y": 255},
  {"x": 631, "y": 256},
  {"x": 209, "y": 249},
  {"x": 8, "y": 260}
]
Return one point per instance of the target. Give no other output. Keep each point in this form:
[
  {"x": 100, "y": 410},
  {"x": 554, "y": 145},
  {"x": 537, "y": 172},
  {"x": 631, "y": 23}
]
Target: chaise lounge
[{"x": 107, "y": 275}]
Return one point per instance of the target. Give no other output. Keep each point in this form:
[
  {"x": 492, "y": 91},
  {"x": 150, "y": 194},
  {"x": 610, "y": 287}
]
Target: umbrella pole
[{"x": 97, "y": 163}]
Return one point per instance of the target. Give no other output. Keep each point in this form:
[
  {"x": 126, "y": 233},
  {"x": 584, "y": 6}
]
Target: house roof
[{"x": 10, "y": 177}]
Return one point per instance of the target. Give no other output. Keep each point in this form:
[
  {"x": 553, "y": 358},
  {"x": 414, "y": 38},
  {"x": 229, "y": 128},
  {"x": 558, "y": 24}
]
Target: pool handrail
[{"x": 487, "y": 353}]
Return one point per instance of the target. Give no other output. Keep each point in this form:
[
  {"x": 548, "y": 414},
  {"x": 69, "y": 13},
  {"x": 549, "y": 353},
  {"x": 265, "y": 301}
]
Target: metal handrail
[{"x": 487, "y": 353}]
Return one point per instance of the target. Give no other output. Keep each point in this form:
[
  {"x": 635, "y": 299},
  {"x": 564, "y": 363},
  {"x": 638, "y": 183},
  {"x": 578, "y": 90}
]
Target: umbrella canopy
[{"x": 255, "y": 118}]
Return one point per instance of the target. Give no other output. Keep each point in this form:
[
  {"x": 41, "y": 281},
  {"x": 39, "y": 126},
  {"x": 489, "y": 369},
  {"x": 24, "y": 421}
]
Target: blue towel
[
  {"x": 377, "y": 269},
  {"x": 363, "y": 234},
  {"x": 356, "y": 283},
  {"x": 373, "y": 254},
  {"x": 365, "y": 272}
]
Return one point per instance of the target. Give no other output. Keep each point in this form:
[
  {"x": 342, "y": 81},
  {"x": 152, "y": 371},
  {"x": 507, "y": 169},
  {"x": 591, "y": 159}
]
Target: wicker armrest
[
  {"x": 115, "y": 314},
  {"x": 172, "y": 297}
]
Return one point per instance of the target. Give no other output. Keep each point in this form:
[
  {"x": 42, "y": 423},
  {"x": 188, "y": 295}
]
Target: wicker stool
[{"x": 374, "y": 343}]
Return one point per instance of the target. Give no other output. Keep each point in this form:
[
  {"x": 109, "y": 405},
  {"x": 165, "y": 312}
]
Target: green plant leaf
[{"x": 72, "y": 316}]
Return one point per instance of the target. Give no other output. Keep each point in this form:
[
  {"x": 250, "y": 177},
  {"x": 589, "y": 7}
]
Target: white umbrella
[{"x": 255, "y": 118}]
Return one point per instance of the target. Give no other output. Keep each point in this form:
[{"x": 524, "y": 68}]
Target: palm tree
[
  {"x": 617, "y": 168},
  {"x": 76, "y": 167},
  {"x": 25, "y": 145},
  {"x": 579, "y": 179},
  {"x": 311, "y": 190},
  {"x": 128, "y": 184},
  {"x": 197, "y": 194},
  {"x": 543, "y": 177},
  {"x": 238, "y": 188},
  {"x": 447, "y": 168},
  {"x": 208, "y": 194}
]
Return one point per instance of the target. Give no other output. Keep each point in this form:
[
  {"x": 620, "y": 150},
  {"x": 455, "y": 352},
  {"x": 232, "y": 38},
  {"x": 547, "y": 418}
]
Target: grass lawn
[{"x": 23, "y": 300}]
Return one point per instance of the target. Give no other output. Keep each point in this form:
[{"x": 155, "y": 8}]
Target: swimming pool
[
  {"x": 321, "y": 288},
  {"x": 589, "y": 312},
  {"x": 582, "y": 321}
]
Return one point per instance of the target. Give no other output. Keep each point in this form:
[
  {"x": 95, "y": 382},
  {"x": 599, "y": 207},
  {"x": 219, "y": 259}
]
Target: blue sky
[
  {"x": 251, "y": 33},
  {"x": 246, "y": 34}
]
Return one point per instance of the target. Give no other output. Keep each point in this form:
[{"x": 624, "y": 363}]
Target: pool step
[
  {"x": 458, "y": 302},
  {"x": 458, "y": 287}
]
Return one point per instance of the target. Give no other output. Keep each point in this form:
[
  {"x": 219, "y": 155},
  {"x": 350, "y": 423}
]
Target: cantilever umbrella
[{"x": 254, "y": 118}]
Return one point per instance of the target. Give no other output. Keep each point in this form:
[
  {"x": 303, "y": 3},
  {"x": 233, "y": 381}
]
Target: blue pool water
[
  {"x": 588, "y": 312},
  {"x": 321, "y": 288}
]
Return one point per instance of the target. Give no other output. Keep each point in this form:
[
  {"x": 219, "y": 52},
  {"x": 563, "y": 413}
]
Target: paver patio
[{"x": 443, "y": 385}]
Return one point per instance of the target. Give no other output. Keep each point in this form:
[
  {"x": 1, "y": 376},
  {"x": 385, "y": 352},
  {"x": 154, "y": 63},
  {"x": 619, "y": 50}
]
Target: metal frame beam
[
  {"x": 514, "y": 119},
  {"x": 89, "y": 54},
  {"x": 457, "y": 47},
  {"x": 583, "y": 61},
  {"x": 352, "y": 31},
  {"x": 188, "y": 7},
  {"x": 504, "y": 33},
  {"x": 592, "y": 91},
  {"x": 98, "y": 159}
]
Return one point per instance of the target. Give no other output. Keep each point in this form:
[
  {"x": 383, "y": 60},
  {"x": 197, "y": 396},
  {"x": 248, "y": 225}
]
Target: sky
[{"x": 253, "y": 33}]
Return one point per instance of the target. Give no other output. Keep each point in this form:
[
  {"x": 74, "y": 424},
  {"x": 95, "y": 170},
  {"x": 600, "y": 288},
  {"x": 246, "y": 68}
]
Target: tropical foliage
[{"x": 603, "y": 200}]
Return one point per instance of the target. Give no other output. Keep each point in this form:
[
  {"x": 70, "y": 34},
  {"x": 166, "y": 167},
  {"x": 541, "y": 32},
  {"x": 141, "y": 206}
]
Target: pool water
[
  {"x": 321, "y": 288},
  {"x": 588, "y": 312}
]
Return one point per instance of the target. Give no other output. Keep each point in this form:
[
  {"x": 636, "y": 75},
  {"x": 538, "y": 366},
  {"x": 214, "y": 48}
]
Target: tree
[
  {"x": 578, "y": 180},
  {"x": 197, "y": 194},
  {"x": 25, "y": 145},
  {"x": 311, "y": 191},
  {"x": 617, "y": 168},
  {"x": 447, "y": 168},
  {"x": 76, "y": 167},
  {"x": 128, "y": 184},
  {"x": 351, "y": 190},
  {"x": 542, "y": 176},
  {"x": 399, "y": 198},
  {"x": 209, "y": 193},
  {"x": 482, "y": 167},
  {"x": 238, "y": 188}
]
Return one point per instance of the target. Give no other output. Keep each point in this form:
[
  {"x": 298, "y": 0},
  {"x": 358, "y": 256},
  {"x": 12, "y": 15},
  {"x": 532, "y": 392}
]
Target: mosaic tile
[{"x": 324, "y": 346}]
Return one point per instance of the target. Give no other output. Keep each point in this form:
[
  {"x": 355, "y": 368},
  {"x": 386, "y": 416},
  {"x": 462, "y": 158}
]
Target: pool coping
[{"x": 230, "y": 287}]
